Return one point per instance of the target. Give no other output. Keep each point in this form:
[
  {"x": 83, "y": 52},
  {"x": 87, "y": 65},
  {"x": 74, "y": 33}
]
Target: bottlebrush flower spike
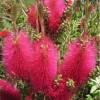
[
  {"x": 92, "y": 8},
  {"x": 69, "y": 3},
  {"x": 28, "y": 98},
  {"x": 60, "y": 92},
  {"x": 64, "y": 95},
  {"x": 79, "y": 62},
  {"x": 45, "y": 64},
  {"x": 32, "y": 16},
  {"x": 8, "y": 92},
  {"x": 4, "y": 33},
  {"x": 55, "y": 11},
  {"x": 18, "y": 55}
]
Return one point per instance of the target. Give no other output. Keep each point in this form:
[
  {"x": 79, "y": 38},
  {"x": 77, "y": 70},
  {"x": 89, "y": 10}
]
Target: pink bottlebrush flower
[
  {"x": 69, "y": 3},
  {"x": 32, "y": 16},
  {"x": 55, "y": 11},
  {"x": 64, "y": 95},
  {"x": 4, "y": 33},
  {"x": 18, "y": 55},
  {"x": 79, "y": 62},
  {"x": 92, "y": 8},
  {"x": 28, "y": 98},
  {"x": 60, "y": 92},
  {"x": 45, "y": 64},
  {"x": 8, "y": 92}
]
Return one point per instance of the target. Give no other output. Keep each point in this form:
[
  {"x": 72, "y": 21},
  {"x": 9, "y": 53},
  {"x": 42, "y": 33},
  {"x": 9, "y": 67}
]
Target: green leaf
[
  {"x": 89, "y": 97},
  {"x": 94, "y": 88}
]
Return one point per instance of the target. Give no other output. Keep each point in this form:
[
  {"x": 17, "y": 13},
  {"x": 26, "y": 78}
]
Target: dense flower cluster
[
  {"x": 79, "y": 63},
  {"x": 37, "y": 62},
  {"x": 8, "y": 92},
  {"x": 18, "y": 55},
  {"x": 44, "y": 62},
  {"x": 32, "y": 16},
  {"x": 55, "y": 12}
]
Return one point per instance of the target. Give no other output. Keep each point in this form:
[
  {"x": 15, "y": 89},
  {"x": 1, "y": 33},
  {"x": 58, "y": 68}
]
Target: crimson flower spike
[
  {"x": 4, "y": 33},
  {"x": 79, "y": 61},
  {"x": 18, "y": 55},
  {"x": 55, "y": 11},
  {"x": 45, "y": 60},
  {"x": 69, "y": 3},
  {"x": 60, "y": 92},
  {"x": 28, "y": 98},
  {"x": 8, "y": 92},
  {"x": 33, "y": 17}
]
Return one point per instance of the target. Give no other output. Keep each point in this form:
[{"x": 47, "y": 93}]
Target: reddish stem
[
  {"x": 37, "y": 17},
  {"x": 40, "y": 15},
  {"x": 14, "y": 26}
]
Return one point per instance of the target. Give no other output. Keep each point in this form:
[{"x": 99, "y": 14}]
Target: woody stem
[
  {"x": 37, "y": 17},
  {"x": 87, "y": 13},
  {"x": 41, "y": 15}
]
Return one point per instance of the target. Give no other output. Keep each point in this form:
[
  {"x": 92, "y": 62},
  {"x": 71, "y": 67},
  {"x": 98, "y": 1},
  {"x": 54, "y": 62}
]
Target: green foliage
[
  {"x": 94, "y": 84},
  {"x": 91, "y": 90},
  {"x": 1, "y": 71}
]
